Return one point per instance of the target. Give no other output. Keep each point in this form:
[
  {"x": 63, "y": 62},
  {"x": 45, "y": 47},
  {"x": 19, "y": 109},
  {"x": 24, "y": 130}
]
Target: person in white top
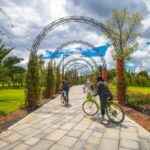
[{"x": 87, "y": 86}]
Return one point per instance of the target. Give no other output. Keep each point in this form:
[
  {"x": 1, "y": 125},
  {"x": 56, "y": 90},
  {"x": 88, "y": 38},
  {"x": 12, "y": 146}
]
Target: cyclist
[
  {"x": 87, "y": 86},
  {"x": 65, "y": 88},
  {"x": 104, "y": 94}
]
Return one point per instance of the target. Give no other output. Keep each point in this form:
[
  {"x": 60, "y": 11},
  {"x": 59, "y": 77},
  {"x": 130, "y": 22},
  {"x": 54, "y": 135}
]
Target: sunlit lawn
[
  {"x": 137, "y": 96},
  {"x": 139, "y": 90},
  {"x": 11, "y": 100},
  {"x": 133, "y": 89}
]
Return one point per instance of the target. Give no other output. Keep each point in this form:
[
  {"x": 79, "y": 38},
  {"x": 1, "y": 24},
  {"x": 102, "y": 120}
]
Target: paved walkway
[{"x": 53, "y": 127}]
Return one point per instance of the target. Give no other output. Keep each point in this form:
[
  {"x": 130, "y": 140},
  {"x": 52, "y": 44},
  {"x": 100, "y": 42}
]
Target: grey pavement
[{"x": 54, "y": 127}]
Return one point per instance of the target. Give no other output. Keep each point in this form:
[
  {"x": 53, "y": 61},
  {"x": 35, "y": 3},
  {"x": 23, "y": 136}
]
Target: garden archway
[
  {"x": 62, "y": 46},
  {"x": 70, "y": 66},
  {"x": 92, "y": 66}
]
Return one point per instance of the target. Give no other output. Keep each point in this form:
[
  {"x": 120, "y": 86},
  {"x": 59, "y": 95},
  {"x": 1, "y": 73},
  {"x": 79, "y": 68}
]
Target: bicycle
[
  {"x": 64, "y": 98},
  {"x": 114, "y": 112}
]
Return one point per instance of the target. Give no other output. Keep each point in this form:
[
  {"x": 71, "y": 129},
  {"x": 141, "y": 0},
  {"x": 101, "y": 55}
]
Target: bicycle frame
[{"x": 90, "y": 97}]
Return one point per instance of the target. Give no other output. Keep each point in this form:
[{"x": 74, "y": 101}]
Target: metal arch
[
  {"x": 81, "y": 68},
  {"x": 77, "y": 59},
  {"x": 71, "y": 65},
  {"x": 76, "y": 42},
  {"x": 60, "y": 21},
  {"x": 84, "y": 71}
]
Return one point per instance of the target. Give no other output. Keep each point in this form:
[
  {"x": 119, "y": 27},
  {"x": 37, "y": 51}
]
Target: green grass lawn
[
  {"x": 137, "y": 96},
  {"x": 139, "y": 90},
  {"x": 133, "y": 89},
  {"x": 11, "y": 100}
]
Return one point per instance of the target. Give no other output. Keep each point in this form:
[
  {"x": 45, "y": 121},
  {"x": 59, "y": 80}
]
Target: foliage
[
  {"x": 33, "y": 83},
  {"x": 4, "y": 51},
  {"x": 121, "y": 30},
  {"x": 140, "y": 102},
  {"x": 50, "y": 80},
  {"x": 10, "y": 73},
  {"x": 138, "y": 79},
  {"x": 58, "y": 78},
  {"x": 141, "y": 79},
  {"x": 138, "y": 99}
]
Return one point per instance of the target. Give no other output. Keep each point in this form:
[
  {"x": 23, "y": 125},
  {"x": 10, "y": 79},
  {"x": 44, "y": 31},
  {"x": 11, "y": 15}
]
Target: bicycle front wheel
[
  {"x": 115, "y": 113},
  {"x": 90, "y": 108}
]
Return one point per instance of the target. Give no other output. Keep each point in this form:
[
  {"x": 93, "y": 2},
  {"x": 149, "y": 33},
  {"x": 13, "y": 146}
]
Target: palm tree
[
  {"x": 121, "y": 30},
  {"x": 14, "y": 71},
  {"x": 4, "y": 51}
]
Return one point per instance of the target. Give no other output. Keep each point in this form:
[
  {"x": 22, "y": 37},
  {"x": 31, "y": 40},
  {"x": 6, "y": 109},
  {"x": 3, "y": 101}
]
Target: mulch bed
[
  {"x": 140, "y": 118},
  {"x": 8, "y": 120}
]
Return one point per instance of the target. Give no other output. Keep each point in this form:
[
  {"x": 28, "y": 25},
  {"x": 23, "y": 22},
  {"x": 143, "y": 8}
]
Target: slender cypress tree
[
  {"x": 33, "y": 89},
  {"x": 58, "y": 79},
  {"x": 50, "y": 81}
]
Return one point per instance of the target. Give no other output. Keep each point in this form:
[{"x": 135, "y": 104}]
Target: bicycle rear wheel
[
  {"x": 90, "y": 108},
  {"x": 115, "y": 113}
]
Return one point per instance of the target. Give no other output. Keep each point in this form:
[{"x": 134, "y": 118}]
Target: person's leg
[
  {"x": 67, "y": 93},
  {"x": 103, "y": 108}
]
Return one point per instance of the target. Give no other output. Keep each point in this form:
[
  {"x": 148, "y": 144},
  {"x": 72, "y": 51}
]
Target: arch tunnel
[{"x": 88, "y": 54}]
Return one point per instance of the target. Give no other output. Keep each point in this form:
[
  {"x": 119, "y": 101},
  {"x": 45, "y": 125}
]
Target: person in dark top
[
  {"x": 66, "y": 87},
  {"x": 104, "y": 94}
]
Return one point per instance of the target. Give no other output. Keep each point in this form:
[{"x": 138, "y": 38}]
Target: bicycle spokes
[
  {"x": 90, "y": 108},
  {"x": 115, "y": 113}
]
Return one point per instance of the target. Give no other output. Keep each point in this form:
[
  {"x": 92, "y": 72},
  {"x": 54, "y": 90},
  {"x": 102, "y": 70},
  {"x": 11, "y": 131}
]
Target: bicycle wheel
[
  {"x": 115, "y": 113},
  {"x": 90, "y": 108}
]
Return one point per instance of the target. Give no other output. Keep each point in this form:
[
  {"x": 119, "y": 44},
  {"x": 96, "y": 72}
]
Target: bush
[{"x": 139, "y": 101}]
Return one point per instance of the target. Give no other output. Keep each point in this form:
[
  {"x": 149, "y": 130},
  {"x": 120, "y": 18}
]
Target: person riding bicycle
[
  {"x": 65, "y": 87},
  {"x": 104, "y": 94}
]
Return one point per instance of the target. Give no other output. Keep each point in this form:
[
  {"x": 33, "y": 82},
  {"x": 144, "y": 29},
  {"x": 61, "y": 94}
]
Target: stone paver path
[{"x": 53, "y": 127}]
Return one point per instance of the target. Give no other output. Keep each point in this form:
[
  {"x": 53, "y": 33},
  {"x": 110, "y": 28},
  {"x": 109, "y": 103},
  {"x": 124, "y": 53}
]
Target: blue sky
[{"x": 22, "y": 20}]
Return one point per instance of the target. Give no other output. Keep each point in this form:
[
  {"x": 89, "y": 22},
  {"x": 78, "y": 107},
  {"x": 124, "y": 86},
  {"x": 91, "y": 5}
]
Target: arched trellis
[
  {"x": 81, "y": 19},
  {"x": 62, "y": 46},
  {"x": 70, "y": 66},
  {"x": 56, "y": 23},
  {"x": 79, "y": 69},
  {"x": 61, "y": 63},
  {"x": 75, "y": 60}
]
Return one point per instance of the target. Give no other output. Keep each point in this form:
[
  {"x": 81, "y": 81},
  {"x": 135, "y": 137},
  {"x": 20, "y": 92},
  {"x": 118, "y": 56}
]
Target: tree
[
  {"x": 121, "y": 30},
  {"x": 4, "y": 51},
  {"x": 50, "y": 81},
  {"x": 144, "y": 74},
  {"x": 13, "y": 71},
  {"x": 33, "y": 89},
  {"x": 58, "y": 79},
  {"x": 9, "y": 71}
]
